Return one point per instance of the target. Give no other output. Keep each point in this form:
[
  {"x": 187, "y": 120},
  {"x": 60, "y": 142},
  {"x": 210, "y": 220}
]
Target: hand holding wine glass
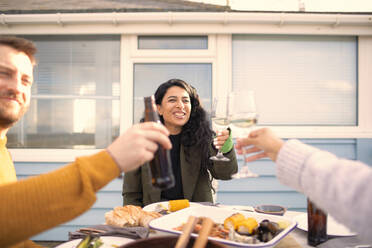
[
  {"x": 220, "y": 120},
  {"x": 243, "y": 116}
]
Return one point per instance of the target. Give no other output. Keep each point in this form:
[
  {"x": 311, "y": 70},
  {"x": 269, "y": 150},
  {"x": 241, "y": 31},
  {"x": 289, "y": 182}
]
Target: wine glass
[
  {"x": 220, "y": 120},
  {"x": 243, "y": 116}
]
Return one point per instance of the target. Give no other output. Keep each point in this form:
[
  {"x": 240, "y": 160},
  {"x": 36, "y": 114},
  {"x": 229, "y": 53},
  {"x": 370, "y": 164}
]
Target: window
[
  {"x": 75, "y": 97},
  {"x": 299, "y": 80},
  {"x": 173, "y": 42}
]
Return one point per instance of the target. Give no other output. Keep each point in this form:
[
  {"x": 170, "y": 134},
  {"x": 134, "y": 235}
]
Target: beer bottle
[
  {"x": 161, "y": 166},
  {"x": 316, "y": 224}
]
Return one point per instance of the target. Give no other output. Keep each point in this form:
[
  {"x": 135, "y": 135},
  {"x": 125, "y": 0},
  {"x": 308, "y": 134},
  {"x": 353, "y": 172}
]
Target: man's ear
[{"x": 159, "y": 109}]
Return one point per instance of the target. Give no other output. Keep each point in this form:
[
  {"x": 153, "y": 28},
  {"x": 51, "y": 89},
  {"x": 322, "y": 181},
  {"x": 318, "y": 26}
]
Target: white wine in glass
[
  {"x": 220, "y": 120},
  {"x": 244, "y": 116},
  {"x": 247, "y": 122}
]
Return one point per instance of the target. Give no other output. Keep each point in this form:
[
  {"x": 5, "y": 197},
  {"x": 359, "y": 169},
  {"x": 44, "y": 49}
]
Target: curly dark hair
[
  {"x": 197, "y": 131},
  {"x": 21, "y": 45}
]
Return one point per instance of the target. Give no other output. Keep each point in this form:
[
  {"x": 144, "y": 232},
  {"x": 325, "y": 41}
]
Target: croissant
[
  {"x": 146, "y": 217},
  {"x": 129, "y": 216}
]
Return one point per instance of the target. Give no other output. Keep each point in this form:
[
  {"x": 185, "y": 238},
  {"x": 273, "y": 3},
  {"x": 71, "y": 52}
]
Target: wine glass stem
[
  {"x": 219, "y": 153},
  {"x": 245, "y": 135},
  {"x": 244, "y": 153}
]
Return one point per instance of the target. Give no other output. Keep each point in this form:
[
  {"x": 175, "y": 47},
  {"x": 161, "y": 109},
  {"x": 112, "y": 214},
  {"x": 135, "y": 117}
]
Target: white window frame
[
  {"x": 133, "y": 55},
  {"x": 219, "y": 27}
]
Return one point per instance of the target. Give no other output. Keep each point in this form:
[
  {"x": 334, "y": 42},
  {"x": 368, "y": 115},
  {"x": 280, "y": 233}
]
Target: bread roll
[
  {"x": 129, "y": 215},
  {"x": 146, "y": 217}
]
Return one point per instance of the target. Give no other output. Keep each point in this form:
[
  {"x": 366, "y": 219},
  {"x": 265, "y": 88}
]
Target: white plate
[
  {"x": 167, "y": 223},
  {"x": 333, "y": 227},
  {"x": 108, "y": 242},
  {"x": 152, "y": 207}
]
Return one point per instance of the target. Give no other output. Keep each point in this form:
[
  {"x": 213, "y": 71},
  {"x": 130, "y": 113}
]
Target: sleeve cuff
[
  {"x": 100, "y": 167},
  {"x": 291, "y": 159}
]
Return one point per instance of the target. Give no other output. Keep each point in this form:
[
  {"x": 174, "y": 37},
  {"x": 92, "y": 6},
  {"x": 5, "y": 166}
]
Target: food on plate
[
  {"x": 130, "y": 215},
  {"x": 90, "y": 242},
  {"x": 236, "y": 237},
  {"x": 247, "y": 226},
  {"x": 175, "y": 205},
  {"x": 218, "y": 231},
  {"x": 124, "y": 216},
  {"x": 267, "y": 230},
  {"x": 283, "y": 224},
  {"x": 233, "y": 221},
  {"x": 239, "y": 228},
  {"x": 146, "y": 217},
  {"x": 254, "y": 233},
  {"x": 161, "y": 209}
]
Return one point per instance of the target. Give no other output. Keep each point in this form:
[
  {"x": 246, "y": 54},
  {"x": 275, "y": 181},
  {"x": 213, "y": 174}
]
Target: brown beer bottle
[
  {"x": 161, "y": 166},
  {"x": 316, "y": 224}
]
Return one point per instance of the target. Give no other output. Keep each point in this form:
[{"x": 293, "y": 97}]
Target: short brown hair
[{"x": 21, "y": 45}]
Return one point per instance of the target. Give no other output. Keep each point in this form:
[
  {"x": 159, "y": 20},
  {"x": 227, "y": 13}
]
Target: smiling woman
[
  {"x": 175, "y": 109},
  {"x": 192, "y": 140}
]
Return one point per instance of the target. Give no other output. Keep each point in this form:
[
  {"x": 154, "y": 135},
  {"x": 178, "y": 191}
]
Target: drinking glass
[
  {"x": 220, "y": 120},
  {"x": 243, "y": 116}
]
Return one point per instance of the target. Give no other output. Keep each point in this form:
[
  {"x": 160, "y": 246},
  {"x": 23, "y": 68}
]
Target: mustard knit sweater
[
  {"x": 33, "y": 205},
  {"x": 7, "y": 171}
]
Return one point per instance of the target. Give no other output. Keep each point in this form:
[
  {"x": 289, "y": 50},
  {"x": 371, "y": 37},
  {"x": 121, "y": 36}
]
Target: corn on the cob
[
  {"x": 175, "y": 205},
  {"x": 247, "y": 225},
  {"x": 233, "y": 221}
]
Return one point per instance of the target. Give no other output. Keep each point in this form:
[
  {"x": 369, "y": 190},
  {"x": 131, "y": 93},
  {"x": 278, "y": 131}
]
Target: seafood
[
  {"x": 234, "y": 236},
  {"x": 238, "y": 228},
  {"x": 267, "y": 230}
]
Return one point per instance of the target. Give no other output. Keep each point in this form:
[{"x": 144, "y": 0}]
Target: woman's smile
[{"x": 179, "y": 114}]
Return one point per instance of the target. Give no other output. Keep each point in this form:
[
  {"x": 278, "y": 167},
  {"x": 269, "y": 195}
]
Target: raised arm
[
  {"x": 341, "y": 187},
  {"x": 36, "y": 204}
]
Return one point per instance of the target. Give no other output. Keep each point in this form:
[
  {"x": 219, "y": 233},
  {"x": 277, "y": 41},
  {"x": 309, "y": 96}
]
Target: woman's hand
[
  {"x": 221, "y": 138},
  {"x": 263, "y": 142}
]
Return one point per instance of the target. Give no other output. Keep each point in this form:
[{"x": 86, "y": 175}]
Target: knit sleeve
[
  {"x": 339, "y": 186},
  {"x": 36, "y": 204},
  {"x": 290, "y": 162}
]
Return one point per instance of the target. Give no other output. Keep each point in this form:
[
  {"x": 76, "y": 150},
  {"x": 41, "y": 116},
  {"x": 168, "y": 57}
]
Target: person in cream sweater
[{"x": 339, "y": 186}]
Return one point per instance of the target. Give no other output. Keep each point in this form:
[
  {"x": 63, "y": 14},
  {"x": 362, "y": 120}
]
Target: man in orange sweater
[{"x": 33, "y": 205}]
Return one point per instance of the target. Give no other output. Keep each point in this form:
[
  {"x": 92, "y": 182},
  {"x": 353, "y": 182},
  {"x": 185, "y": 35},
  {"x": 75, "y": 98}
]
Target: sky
[{"x": 293, "y": 5}]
